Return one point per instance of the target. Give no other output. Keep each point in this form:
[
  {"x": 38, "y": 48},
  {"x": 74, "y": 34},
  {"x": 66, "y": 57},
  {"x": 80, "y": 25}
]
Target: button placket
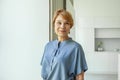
[{"x": 55, "y": 54}]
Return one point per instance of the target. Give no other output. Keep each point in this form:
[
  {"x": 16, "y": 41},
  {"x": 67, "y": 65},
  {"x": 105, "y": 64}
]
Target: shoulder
[
  {"x": 76, "y": 44},
  {"x": 50, "y": 43}
]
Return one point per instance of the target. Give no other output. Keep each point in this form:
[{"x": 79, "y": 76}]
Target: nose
[{"x": 62, "y": 25}]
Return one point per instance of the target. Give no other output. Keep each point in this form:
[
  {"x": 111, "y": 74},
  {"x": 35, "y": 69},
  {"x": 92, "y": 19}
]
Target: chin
[{"x": 62, "y": 35}]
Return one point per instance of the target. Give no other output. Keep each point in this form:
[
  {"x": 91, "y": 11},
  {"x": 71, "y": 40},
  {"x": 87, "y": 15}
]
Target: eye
[
  {"x": 67, "y": 23},
  {"x": 59, "y": 23}
]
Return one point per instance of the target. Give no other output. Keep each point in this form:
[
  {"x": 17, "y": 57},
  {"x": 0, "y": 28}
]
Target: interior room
[
  {"x": 25, "y": 28},
  {"x": 97, "y": 29}
]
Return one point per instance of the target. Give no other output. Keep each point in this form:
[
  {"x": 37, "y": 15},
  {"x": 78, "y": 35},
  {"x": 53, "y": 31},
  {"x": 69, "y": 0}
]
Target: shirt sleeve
[
  {"x": 41, "y": 62},
  {"x": 79, "y": 62}
]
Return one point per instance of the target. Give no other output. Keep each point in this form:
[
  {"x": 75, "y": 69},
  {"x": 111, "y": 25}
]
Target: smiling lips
[{"x": 62, "y": 31}]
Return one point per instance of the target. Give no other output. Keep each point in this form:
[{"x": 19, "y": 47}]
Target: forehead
[{"x": 60, "y": 18}]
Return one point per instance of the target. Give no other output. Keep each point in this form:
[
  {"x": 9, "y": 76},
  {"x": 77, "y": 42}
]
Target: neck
[{"x": 63, "y": 38}]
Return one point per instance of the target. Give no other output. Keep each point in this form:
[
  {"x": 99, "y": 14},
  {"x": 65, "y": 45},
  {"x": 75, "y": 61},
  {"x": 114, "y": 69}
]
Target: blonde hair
[{"x": 66, "y": 15}]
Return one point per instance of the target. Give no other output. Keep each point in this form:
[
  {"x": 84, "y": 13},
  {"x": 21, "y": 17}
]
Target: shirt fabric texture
[{"x": 62, "y": 60}]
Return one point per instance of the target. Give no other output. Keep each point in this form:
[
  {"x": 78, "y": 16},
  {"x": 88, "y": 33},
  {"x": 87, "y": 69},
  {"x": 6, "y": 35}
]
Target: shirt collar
[{"x": 61, "y": 44}]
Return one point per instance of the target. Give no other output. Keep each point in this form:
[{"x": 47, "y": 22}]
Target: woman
[{"x": 63, "y": 58}]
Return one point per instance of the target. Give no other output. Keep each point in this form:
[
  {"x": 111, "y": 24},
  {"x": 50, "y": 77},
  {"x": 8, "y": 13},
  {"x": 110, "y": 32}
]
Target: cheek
[
  {"x": 55, "y": 29},
  {"x": 68, "y": 29}
]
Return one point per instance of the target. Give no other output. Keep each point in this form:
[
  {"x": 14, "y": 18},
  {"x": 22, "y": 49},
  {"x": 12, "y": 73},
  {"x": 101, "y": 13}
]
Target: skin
[
  {"x": 80, "y": 76},
  {"x": 62, "y": 29}
]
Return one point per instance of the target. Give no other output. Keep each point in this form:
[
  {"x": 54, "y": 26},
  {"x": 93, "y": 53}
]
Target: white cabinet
[
  {"x": 107, "y": 39},
  {"x": 106, "y": 49},
  {"x": 100, "y": 62}
]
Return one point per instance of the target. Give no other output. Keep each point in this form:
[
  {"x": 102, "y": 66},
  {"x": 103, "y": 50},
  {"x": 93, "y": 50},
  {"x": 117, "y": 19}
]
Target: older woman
[{"x": 63, "y": 58}]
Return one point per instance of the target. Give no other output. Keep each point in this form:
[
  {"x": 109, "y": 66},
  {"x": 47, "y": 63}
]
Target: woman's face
[{"x": 62, "y": 27}]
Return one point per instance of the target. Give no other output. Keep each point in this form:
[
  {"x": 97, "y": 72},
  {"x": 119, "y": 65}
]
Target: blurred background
[{"x": 25, "y": 28}]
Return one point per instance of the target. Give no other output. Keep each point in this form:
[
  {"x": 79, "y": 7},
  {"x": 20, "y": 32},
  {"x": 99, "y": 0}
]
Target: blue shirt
[{"x": 62, "y": 60}]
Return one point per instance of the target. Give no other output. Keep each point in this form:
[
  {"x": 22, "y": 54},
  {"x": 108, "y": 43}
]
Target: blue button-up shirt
[{"x": 62, "y": 60}]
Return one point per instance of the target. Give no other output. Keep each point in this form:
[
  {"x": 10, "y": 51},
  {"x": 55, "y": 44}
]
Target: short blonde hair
[{"x": 66, "y": 15}]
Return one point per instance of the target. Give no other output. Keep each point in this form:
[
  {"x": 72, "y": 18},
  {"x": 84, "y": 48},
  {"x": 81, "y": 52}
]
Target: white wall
[
  {"x": 94, "y": 13},
  {"x": 90, "y": 14},
  {"x": 24, "y": 30}
]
